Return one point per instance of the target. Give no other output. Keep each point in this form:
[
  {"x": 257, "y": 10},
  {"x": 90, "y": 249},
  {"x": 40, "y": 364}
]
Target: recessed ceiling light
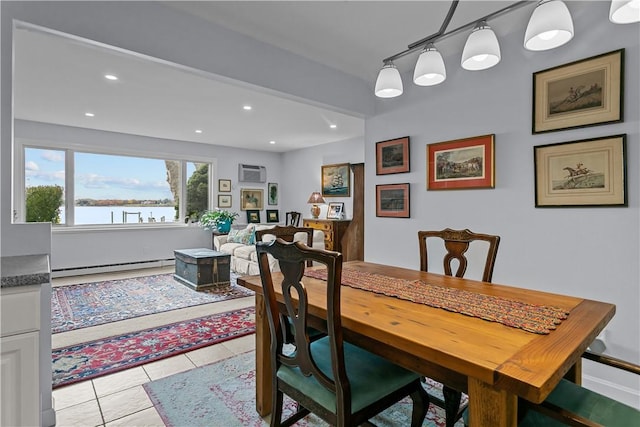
[
  {"x": 272, "y": 142},
  {"x": 333, "y": 126},
  {"x": 198, "y": 130},
  {"x": 246, "y": 107},
  {"x": 110, "y": 77},
  {"x": 89, "y": 114}
]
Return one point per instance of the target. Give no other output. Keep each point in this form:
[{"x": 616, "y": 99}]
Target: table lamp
[{"x": 315, "y": 198}]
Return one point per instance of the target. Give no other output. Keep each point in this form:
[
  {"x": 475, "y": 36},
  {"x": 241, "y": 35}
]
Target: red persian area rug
[
  {"x": 108, "y": 355},
  {"x": 90, "y": 304}
]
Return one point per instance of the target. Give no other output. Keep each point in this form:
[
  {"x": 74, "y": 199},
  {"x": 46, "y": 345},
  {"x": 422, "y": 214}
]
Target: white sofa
[{"x": 240, "y": 244}]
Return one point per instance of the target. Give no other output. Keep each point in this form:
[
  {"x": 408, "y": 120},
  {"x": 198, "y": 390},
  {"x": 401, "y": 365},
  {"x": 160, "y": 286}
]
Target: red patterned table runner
[{"x": 529, "y": 317}]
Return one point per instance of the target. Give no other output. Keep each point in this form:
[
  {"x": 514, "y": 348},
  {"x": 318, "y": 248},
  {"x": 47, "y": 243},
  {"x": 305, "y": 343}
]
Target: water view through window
[{"x": 114, "y": 189}]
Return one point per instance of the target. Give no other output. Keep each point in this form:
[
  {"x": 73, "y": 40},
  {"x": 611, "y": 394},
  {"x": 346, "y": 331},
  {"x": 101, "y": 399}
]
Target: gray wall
[
  {"x": 588, "y": 252},
  {"x": 302, "y": 174}
]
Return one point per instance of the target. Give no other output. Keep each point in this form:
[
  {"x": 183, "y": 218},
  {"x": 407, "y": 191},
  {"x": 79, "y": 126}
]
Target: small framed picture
[
  {"x": 251, "y": 198},
  {"x": 461, "y": 164},
  {"x": 583, "y": 93},
  {"x": 224, "y": 185},
  {"x": 272, "y": 193},
  {"x": 590, "y": 172},
  {"x": 335, "y": 210},
  {"x": 392, "y": 200},
  {"x": 224, "y": 200},
  {"x": 336, "y": 180},
  {"x": 272, "y": 215},
  {"x": 392, "y": 156},
  {"x": 253, "y": 216}
]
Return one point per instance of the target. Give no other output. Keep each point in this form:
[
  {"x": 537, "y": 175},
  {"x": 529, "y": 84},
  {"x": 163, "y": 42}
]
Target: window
[
  {"x": 44, "y": 185},
  {"x": 106, "y": 189}
]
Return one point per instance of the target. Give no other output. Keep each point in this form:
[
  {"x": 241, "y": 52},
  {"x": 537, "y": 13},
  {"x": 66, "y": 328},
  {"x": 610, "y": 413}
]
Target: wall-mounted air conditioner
[{"x": 251, "y": 173}]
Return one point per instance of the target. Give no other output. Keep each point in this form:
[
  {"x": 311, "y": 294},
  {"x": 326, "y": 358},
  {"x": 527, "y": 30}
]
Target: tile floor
[{"x": 119, "y": 399}]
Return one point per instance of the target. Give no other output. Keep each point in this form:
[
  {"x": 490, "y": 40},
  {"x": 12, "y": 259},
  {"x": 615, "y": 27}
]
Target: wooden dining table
[{"x": 493, "y": 363}]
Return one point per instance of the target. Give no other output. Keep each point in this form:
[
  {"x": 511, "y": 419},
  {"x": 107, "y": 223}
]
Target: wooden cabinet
[{"x": 333, "y": 229}]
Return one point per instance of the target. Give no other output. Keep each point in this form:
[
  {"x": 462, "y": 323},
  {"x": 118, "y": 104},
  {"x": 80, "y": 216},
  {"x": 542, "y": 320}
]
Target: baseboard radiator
[{"x": 109, "y": 268}]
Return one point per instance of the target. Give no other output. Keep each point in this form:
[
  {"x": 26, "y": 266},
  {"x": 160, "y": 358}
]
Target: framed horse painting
[
  {"x": 461, "y": 164},
  {"x": 583, "y": 93},
  {"x": 590, "y": 172}
]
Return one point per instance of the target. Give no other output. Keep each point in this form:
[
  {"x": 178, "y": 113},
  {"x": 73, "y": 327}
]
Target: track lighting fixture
[
  {"x": 550, "y": 26},
  {"x": 624, "y": 11},
  {"x": 389, "y": 82},
  {"x": 482, "y": 50},
  {"x": 430, "y": 68}
]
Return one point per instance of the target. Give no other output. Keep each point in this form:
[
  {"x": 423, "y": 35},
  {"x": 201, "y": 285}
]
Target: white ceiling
[{"x": 57, "y": 79}]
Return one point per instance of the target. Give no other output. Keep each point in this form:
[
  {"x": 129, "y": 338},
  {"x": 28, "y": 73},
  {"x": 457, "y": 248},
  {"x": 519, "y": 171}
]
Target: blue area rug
[
  {"x": 223, "y": 394},
  {"x": 91, "y": 304}
]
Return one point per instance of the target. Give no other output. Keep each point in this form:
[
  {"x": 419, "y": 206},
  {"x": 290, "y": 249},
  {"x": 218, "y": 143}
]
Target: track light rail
[{"x": 440, "y": 35}]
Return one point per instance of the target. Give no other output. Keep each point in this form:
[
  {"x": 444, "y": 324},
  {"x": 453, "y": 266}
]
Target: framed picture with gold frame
[
  {"x": 251, "y": 198},
  {"x": 336, "y": 180},
  {"x": 583, "y": 93},
  {"x": 461, "y": 164},
  {"x": 589, "y": 172}
]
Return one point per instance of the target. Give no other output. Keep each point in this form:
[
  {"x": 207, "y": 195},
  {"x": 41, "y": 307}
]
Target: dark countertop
[{"x": 24, "y": 270}]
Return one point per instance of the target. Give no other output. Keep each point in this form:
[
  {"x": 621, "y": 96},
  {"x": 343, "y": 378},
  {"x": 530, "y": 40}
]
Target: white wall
[
  {"x": 301, "y": 174},
  {"x": 588, "y": 252}
]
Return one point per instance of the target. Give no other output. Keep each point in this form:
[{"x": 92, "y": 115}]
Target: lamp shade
[
  {"x": 482, "y": 50},
  {"x": 550, "y": 26},
  {"x": 624, "y": 11},
  {"x": 430, "y": 68},
  {"x": 316, "y": 197},
  {"x": 389, "y": 82}
]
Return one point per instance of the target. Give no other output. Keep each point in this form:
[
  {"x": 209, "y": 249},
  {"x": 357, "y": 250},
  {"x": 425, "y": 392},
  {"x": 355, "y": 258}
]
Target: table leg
[
  {"x": 263, "y": 359},
  {"x": 491, "y": 407}
]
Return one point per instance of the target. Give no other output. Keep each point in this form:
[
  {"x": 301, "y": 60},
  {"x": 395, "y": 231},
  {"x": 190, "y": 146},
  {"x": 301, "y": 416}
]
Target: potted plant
[{"x": 218, "y": 219}]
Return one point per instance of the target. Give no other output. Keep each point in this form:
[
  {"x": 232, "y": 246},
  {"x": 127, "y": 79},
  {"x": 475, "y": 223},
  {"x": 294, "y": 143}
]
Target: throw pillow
[{"x": 244, "y": 236}]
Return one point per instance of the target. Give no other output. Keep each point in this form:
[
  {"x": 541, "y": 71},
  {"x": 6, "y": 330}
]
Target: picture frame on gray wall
[
  {"x": 589, "y": 172},
  {"x": 583, "y": 93}
]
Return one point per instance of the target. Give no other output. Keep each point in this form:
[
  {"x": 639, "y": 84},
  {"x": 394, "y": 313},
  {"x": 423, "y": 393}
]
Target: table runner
[{"x": 516, "y": 314}]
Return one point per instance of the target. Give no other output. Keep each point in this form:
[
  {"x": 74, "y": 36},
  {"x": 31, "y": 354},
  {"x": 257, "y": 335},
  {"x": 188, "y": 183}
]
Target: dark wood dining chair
[
  {"x": 570, "y": 404},
  {"x": 286, "y": 233},
  {"x": 456, "y": 244},
  {"x": 292, "y": 218},
  {"x": 341, "y": 383}
]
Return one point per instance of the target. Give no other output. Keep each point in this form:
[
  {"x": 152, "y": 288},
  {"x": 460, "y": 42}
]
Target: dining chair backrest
[
  {"x": 293, "y": 218},
  {"x": 456, "y": 244},
  {"x": 287, "y": 233},
  {"x": 315, "y": 375}
]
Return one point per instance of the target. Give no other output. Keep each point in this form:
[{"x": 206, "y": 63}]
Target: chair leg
[
  {"x": 452, "y": 400},
  {"x": 276, "y": 409},
  {"x": 420, "y": 400}
]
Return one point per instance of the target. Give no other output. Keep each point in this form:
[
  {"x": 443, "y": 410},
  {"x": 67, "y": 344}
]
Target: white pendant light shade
[
  {"x": 550, "y": 26},
  {"x": 624, "y": 11},
  {"x": 429, "y": 69},
  {"x": 482, "y": 50},
  {"x": 389, "y": 82}
]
